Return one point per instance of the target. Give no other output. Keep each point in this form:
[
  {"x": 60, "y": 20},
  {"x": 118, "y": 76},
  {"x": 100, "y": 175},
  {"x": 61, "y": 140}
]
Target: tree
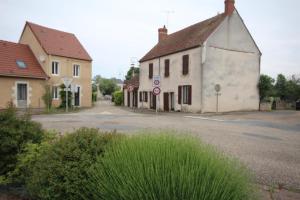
[
  {"x": 293, "y": 89},
  {"x": 129, "y": 75},
  {"x": 265, "y": 86},
  {"x": 47, "y": 97},
  {"x": 108, "y": 86},
  {"x": 281, "y": 87}
]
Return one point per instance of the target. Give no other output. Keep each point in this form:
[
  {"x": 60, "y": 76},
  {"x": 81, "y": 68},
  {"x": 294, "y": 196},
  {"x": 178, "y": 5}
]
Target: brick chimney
[
  {"x": 162, "y": 33},
  {"x": 229, "y": 7}
]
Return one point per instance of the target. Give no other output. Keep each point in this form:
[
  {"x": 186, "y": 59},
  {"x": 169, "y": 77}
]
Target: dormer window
[
  {"x": 21, "y": 64},
  {"x": 55, "y": 68}
]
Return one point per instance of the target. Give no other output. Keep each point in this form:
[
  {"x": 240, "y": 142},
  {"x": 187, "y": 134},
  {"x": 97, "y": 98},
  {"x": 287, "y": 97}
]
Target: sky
[{"x": 118, "y": 32}]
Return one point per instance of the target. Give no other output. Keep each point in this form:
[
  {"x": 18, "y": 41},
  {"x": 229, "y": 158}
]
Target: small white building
[{"x": 192, "y": 61}]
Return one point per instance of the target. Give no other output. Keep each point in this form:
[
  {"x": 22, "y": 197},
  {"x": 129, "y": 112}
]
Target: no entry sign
[{"x": 156, "y": 91}]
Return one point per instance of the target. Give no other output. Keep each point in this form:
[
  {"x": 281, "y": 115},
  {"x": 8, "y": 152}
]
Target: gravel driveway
[{"x": 268, "y": 143}]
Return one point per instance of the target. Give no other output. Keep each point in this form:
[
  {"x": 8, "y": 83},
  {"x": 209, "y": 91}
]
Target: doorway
[
  {"x": 77, "y": 96},
  {"x": 22, "y": 95},
  {"x": 166, "y": 102},
  {"x": 152, "y": 101},
  {"x": 172, "y": 100}
]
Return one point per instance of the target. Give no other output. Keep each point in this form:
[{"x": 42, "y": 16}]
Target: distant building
[
  {"x": 193, "y": 61},
  {"x": 44, "y": 55}
]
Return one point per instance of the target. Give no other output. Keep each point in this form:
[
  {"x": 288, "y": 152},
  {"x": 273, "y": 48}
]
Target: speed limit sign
[
  {"x": 130, "y": 88},
  {"x": 156, "y": 91}
]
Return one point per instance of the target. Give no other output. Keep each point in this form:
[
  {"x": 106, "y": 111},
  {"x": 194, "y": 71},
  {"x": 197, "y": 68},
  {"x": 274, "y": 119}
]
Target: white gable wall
[{"x": 233, "y": 61}]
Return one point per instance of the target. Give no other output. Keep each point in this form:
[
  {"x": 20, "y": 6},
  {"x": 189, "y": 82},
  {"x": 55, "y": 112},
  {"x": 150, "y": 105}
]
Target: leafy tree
[
  {"x": 118, "y": 98},
  {"x": 265, "y": 86},
  {"x": 293, "y": 89},
  {"x": 108, "y": 86},
  {"x": 281, "y": 87},
  {"x": 129, "y": 75},
  {"x": 62, "y": 94},
  {"x": 47, "y": 97}
]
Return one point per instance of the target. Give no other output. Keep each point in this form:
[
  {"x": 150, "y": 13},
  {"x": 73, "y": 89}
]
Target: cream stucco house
[
  {"x": 57, "y": 54},
  {"x": 191, "y": 62},
  {"x": 61, "y": 55}
]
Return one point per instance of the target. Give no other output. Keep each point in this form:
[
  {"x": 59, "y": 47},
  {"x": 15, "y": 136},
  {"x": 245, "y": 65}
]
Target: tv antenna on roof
[{"x": 168, "y": 13}]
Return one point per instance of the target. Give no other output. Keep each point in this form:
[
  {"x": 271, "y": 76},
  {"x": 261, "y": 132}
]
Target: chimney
[
  {"x": 162, "y": 33},
  {"x": 229, "y": 7}
]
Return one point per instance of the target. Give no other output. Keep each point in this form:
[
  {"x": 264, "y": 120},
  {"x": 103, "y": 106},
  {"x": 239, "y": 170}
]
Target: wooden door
[{"x": 166, "y": 102}]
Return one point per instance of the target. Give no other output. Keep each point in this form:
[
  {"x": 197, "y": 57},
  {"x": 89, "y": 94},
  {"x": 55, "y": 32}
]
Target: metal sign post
[
  {"x": 217, "y": 89},
  {"x": 67, "y": 82},
  {"x": 156, "y": 90}
]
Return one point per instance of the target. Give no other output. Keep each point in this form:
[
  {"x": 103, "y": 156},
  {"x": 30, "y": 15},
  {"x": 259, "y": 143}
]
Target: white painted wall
[
  {"x": 233, "y": 61},
  {"x": 230, "y": 58},
  {"x": 171, "y": 83}
]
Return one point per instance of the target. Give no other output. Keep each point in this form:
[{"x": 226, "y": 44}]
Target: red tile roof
[
  {"x": 188, "y": 38},
  {"x": 59, "y": 43},
  {"x": 11, "y": 52},
  {"x": 134, "y": 81}
]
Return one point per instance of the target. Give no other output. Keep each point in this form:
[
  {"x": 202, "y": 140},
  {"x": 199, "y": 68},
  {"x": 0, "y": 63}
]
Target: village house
[
  {"x": 210, "y": 66},
  {"x": 44, "y": 56}
]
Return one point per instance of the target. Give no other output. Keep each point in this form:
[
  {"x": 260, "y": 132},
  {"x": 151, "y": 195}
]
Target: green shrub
[
  {"x": 118, "y": 98},
  {"x": 63, "y": 97},
  {"x": 60, "y": 171},
  {"x": 153, "y": 167},
  {"x": 15, "y": 133}
]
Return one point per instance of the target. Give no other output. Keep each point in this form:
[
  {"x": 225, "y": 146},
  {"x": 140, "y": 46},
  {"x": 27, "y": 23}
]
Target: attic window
[{"x": 21, "y": 64}]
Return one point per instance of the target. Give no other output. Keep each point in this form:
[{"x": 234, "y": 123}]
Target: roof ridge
[
  {"x": 16, "y": 43},
  {"x": 218, "y": 15},
  {"x": 31, "y": 23}
]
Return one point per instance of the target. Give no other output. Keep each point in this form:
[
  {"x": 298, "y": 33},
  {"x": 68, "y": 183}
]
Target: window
[
  {"x": 21, "y": 64},
  {"x": 55, "y": 68},
  {"x": 151, "y": 70},
  {"x": 185, "y": 94},
  {"x": 76, "y": 70},
  {"x": 145, "y": 96},
  {"x": 167, "y": 68},
  {"x": 185, "y": 64},
  {"x": 55, "y": 92}
]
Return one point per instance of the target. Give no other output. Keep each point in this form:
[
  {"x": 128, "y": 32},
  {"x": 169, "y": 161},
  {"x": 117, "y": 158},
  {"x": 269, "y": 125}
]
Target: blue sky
[{"x": 115, "y": 32}]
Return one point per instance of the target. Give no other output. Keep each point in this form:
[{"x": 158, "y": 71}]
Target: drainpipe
[{"x": 203, "y": 57}]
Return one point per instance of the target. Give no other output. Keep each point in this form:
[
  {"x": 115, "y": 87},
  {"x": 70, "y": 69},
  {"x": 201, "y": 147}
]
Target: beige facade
[
  {"x": 229, "y": 57},
  {"x": 34, "y": 92},
  {"x": 81, "y": 83}
]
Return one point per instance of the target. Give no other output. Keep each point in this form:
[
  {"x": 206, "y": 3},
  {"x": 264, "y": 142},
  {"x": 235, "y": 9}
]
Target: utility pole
[{"x": 168, "y": 13}]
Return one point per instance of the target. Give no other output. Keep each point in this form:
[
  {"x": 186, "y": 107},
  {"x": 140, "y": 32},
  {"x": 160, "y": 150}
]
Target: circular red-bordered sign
[
  {"x": 156, "y": 91},
  {"x": 130, "y": 88},
  {"x": 156, "y": 82}
]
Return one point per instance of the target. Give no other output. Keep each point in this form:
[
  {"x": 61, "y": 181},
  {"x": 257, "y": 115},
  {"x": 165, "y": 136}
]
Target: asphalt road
[{"x": 267, "y": 143}]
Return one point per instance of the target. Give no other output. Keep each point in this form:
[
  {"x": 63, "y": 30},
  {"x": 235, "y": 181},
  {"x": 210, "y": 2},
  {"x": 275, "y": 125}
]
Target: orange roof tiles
[
  {"x": 10, "y": 53},
  {"x": 188, "y": 38},
  {"x": 59, "y": 43}
]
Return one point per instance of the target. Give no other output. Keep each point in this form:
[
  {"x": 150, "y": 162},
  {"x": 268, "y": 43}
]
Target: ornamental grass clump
[{"x": 166, "y": 167}]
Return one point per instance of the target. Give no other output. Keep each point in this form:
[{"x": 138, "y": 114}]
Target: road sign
[
  {"x": 130, "y": 88},
  {"x": 67, "y": 81},
  {"x": 156, "y": 81},
  {"x": 218, "y": 88},
  {"x": 156, "y": 91}
]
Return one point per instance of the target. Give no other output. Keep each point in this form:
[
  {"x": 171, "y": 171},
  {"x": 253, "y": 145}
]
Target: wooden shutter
[
  {"x": 179, "y": 94},
  {"x": 151, "y": 70},
  {"x": 141, "y": 96},
  {"x": 146, "y": 96},
  {"x": 185, "y": 64},
  {"x": 167, "y": 68},
  {"x": 190, "y": 95}
]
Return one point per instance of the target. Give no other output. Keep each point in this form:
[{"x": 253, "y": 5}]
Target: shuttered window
[
  {"x": 185, "y": 94},
  {"x": 151, "y": 70},
  {"x": 185, "y": 64},
  {"x": 146, "y": 96},
  {"x": 141, "y": 96},
  {"x": 167, "y": 68}
]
